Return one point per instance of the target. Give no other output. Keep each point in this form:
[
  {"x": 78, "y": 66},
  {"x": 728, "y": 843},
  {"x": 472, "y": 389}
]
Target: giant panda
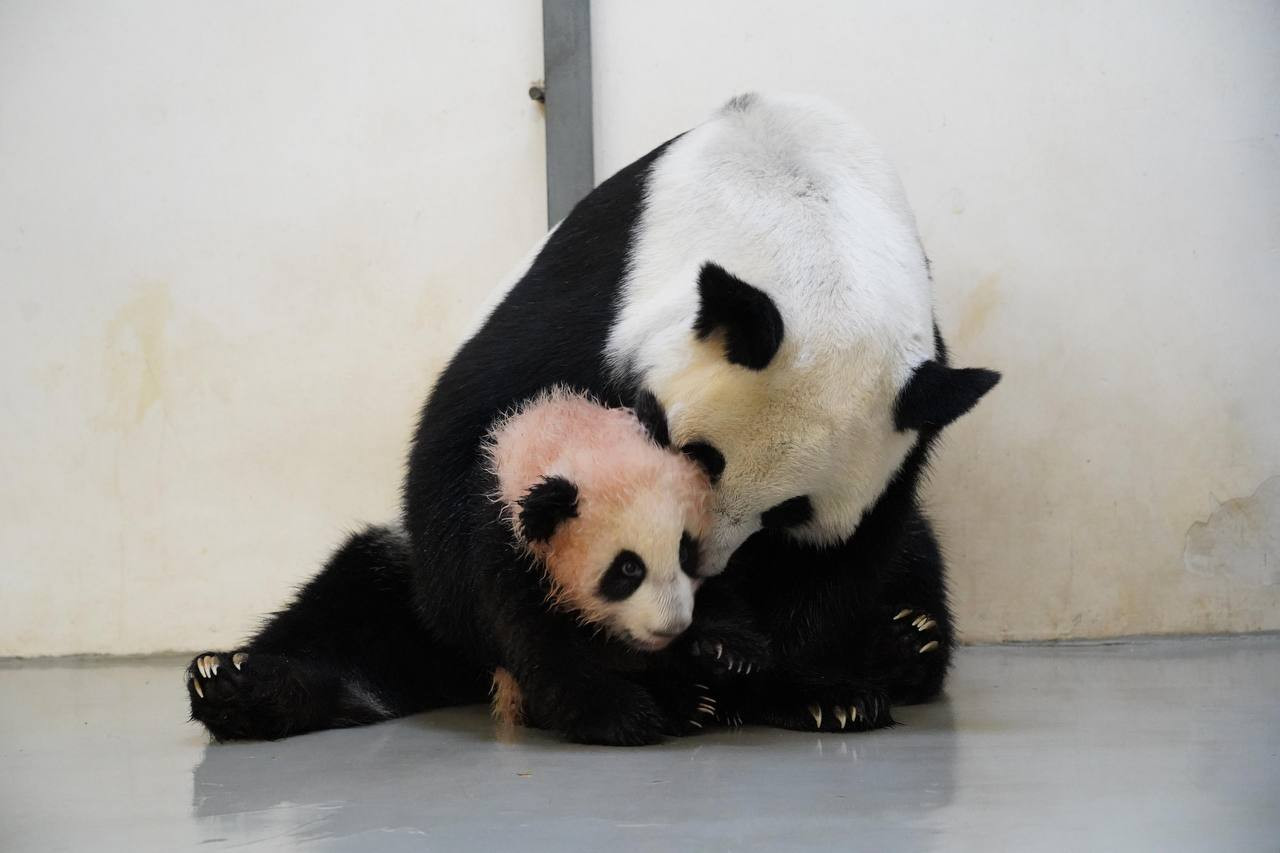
[
  {"x": 578, "y": 580},
  {"x": 759, "y": 277}
]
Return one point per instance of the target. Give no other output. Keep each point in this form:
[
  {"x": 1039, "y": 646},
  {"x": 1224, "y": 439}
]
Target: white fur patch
[{"x": 789, "y": 196}]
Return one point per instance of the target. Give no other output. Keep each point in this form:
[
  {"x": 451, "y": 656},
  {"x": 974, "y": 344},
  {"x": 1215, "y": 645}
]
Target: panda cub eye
[
  {"x": 623, "y": 577},
  {"x": 688, "y": 555}
]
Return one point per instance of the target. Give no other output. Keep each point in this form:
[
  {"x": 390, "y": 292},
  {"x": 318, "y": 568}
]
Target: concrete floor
[{"x": 1158, "y": 745}]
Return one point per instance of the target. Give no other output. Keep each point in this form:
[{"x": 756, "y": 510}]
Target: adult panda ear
[
  {"x": 751, "y": 323},
  {"x": 551, "y": 501},
  {"x": 936, "y": 395},
  {"x": 653, "y": 417}
]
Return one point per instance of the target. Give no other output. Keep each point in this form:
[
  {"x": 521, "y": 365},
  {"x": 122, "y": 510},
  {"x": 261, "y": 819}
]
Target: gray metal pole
[{"x": 566, "y": 52}]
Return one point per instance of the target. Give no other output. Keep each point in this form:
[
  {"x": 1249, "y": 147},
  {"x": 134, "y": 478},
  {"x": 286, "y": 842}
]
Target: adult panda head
[
  {"x": 777, "y": 303},
  {"x": 613, "y": 515}
]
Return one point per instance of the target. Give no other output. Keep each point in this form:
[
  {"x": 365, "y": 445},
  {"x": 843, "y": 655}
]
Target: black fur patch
[
  {"x": 689, "y": 556},
  {"x": 545, "y": 506},
  {"x": 790, "y": 513},
  {"x": 708, "y": 458},
  {"x": 623, "y": 577},
  {"x": 936, "y": 395},
  {"x": 654, "y": 418},
  {"x": 751, "y": 322}
]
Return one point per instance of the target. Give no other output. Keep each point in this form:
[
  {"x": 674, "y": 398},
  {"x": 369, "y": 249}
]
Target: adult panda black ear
[
  {"x": 653, "y": 417},
  {"x": 936, "y": 395},
  {"x": 551, "y": 501},
  {"x": 751, "y": 323}
]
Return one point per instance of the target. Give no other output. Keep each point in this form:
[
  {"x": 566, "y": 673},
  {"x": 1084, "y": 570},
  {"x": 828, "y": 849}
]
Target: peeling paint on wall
[{"x": 1240, "y": 540}]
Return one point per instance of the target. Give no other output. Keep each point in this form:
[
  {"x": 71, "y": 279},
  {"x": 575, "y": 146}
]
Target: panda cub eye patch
[
  {"x": 688, "y": 555},
  {"x": 623, "y": 577},
  {"x": 710, "y": 459},
  {"x": 790, "y": 513}
]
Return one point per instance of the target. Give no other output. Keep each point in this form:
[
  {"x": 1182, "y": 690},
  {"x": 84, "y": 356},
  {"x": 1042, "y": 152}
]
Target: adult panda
[{"x": 761, "y": 276}]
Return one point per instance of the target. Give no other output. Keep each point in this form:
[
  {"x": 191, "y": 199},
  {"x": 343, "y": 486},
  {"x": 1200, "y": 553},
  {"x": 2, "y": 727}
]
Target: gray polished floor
[{"x": 1170, "y": 745}]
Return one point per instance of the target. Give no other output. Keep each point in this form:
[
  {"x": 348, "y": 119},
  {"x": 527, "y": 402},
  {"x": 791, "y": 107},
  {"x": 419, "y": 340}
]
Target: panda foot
[
  {"x": 730, "y": 652},
  {"x": 916, "y": 631},
  {"x": 238, "y": 695},
  {"x": 836, "y": 709},
  {"x": 690, "y": 708},
  {"x": 915, "y": 656},
  {"x": 203, "y": 681}
]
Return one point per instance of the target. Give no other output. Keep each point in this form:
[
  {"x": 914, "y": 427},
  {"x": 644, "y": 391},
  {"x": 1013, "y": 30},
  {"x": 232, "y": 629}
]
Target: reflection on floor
[{"x": 1155, "y": 745}]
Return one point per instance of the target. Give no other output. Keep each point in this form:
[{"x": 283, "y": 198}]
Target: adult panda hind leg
[{"x": 348, "y": 650}]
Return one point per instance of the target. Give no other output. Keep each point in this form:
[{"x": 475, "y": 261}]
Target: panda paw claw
[
  {"x": 731, "y": 654},
  {"x": 920, "y": 635},
  {"x": 846, "y": 708}
]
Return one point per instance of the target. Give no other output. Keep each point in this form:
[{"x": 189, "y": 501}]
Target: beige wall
[
  {"x": 1098, "y": 186},
  {"x": 236, "y": 241}
]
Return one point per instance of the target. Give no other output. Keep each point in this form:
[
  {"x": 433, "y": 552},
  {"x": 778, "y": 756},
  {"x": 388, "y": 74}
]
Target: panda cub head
[{"x": 613, "y": 516}]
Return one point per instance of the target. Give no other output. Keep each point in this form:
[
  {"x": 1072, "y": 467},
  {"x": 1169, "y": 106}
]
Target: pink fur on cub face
[{"x": 632, "y": 494}]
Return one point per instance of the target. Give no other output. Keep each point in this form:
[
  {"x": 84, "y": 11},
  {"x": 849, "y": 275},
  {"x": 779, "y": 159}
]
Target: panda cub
[{"x": 591, "y": 577}]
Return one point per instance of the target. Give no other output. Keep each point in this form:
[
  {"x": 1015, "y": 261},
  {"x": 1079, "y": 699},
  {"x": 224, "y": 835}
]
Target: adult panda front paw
[
  {"x": 915, "y": 655},
  {"x": 730, "y": 651},
  {"x": 917, "y": 631},
  {"x": 838, "y": 708}
]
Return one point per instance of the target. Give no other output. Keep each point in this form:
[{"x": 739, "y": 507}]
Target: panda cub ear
[
  {"x": 936, "y": 395},
  {"x": 544, "y": 507},
  {"x": 751, "y": 322},
  {"x": 652, "y": 417}
]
